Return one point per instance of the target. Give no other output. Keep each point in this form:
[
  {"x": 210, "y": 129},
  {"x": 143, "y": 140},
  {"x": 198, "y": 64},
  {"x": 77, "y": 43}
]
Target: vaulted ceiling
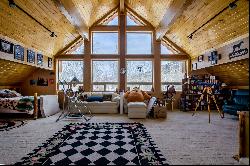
[{"x": 174, "y": 19}]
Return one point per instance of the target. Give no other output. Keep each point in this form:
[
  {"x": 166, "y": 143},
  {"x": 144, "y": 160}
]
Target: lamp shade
[{"x": 74, "y": 81}]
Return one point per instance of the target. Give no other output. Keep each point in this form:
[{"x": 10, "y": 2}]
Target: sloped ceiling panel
[
  {"x": 12, "y": 73},
  {"x": 226, "y": 26},
  {"x": 18, "y": 26},
  {"x": 151, "y": 10},
  {"x": 93, "y": 10},
  {"x": 233, "y": 74}
]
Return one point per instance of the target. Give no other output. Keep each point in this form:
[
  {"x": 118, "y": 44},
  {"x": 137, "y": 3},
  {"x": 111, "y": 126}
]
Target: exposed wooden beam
[
  {"x": 122, "y": 6},
  {"x": 70, "y": 11},
  {"x": 173, "y": 12}
]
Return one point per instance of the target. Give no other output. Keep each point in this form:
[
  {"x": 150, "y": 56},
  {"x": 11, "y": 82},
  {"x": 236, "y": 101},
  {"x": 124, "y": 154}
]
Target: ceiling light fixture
[
  {"x": 231, "y": 6},
  {"x": 12, "y": 4}
]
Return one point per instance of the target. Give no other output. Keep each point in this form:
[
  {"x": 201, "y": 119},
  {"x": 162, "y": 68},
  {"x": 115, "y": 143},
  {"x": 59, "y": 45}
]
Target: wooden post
[
  {"x": 122, "y": 33},
  {"x": 35, "y": 106},
  {"x": 243, "y": 134}
]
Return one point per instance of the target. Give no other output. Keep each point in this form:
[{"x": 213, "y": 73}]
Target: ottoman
[{"x": 137, "y": 110}]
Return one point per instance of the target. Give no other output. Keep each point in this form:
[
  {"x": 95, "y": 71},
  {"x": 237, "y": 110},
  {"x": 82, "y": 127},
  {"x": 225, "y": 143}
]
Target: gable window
[
  {"x": 139, "y": 74},
  {"x": 165, "y": 50},
  {"x": 172, "y": 73},
  {"x": 68, "y": 71},
  {"x": 113, "y": 22},
  {"x": 105, "y": 43},
  {"x": 104, "y": 75},
  {"x": 139, "y": 43}
]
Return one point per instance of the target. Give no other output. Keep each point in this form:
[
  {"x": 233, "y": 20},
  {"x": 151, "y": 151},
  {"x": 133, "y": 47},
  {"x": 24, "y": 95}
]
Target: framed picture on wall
[
  {"x": 49, "y": 62},
  {"x": 30, "y": 56},
  {"x": 200, "y": 58},
  {"x": 19, "y": 53},
  {"x": 40, "y": 59},
  {"x": 6, "y": 46}
]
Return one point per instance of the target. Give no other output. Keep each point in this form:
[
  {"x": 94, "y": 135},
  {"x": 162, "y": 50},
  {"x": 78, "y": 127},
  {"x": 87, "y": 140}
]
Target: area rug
[
  {"x": 6, "y": 125},
  {"x": 98, "y": 144}
]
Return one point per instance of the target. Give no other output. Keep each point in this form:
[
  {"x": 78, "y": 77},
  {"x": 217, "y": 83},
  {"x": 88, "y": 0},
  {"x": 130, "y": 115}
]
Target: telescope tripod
[{"x": 208, "y": 92}]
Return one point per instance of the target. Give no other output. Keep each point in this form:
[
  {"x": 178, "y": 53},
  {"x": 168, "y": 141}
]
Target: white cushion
[
  {"x": 49, "y": 105},
  {"x": 137, "y": 104}
]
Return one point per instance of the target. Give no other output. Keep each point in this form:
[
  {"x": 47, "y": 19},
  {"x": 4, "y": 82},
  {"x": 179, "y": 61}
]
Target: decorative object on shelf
[
  {"x": 30, "y": 56},
  {"x": 6, "y": 46},
  {"x": 237, "y": 51},
  {"x": 49, "y": 62},
  {"x": 42, "y": 82},
  {"x": 19, "y": 53},
  {"x": 40, "y": 59},
  {"x": 200, "y": 58}
]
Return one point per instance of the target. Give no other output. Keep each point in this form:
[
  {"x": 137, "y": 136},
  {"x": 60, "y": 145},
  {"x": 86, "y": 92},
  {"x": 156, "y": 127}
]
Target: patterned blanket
[{"x": 21, "y": 104}]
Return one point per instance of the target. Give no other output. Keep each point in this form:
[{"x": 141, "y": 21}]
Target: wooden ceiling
[
  {"x": 13, "y": 73},
  {"x": 16, "y": 25},
  {"x": 228, "y": 25},
  {"x": 60, "y": 16},
  {"x": 233, "y": 73},
  {"x": 93, "y": 10},
  {"x": 151, "y": 10}
]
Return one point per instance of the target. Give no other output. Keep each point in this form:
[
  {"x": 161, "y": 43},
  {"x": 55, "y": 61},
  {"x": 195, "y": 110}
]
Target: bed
[{"x": 12, "y": 102}]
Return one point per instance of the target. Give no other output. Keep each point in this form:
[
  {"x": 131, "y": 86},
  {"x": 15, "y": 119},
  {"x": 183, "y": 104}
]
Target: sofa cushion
[{"x": 94, "y": 98}]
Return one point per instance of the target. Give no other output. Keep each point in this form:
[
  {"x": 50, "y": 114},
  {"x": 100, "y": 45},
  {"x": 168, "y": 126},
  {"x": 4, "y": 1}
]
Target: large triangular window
[
  {"x": 132, "y": 20},
  {"x": 76, "y": 49},
  {"x": 165, "y": 50},
  {"x": 111, "y": 19}
]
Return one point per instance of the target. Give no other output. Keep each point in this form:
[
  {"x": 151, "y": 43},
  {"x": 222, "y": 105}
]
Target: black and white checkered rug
[{"x": 98, "y": 144}]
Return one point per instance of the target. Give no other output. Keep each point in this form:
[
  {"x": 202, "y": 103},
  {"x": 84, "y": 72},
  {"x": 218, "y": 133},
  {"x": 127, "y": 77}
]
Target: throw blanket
[{"x": 22, "y": 104}]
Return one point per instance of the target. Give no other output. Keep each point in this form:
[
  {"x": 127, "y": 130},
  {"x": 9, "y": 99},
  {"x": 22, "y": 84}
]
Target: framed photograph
[
  {"x": 51, "y": 81},
  {"x": 6, "y": 46},
  {"x": 19, "y": 53},
  {"x": 200, "y": 58},
  {"x": 40, "y": 59},
  {"x": 30, "y": 56},
  {"x": 32, "y": 82},
  {"x": 49, "y": 62},
  {"x": 213, "y": 62},
  {"x": 42, "y": 82}
]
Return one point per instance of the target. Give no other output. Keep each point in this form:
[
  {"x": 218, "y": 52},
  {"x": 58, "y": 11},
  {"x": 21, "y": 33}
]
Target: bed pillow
[{"x": 94, "y": 98}]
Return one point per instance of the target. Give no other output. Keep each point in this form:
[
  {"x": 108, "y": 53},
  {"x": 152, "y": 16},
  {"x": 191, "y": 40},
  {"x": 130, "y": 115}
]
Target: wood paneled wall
[{"x": 29, "y": 90}]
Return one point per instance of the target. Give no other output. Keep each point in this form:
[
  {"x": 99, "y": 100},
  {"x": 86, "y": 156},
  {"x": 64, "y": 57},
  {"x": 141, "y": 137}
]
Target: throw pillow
[
  {"x": 94, "y": 98},
  {"x": 107, "y": 97}
]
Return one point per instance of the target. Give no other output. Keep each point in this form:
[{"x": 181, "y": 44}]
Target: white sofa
[{"x": 105, "y": 107}]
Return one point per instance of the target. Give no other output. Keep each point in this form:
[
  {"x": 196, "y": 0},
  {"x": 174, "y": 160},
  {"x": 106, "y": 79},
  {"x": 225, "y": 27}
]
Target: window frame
[
  {"x": 104, "y": 83},
  {"x": 140, "y": 83},
  {"x": 99, "y": 31},
  {"x": 58, "y": 68},
  {"x": 173, "y": 83},
  {"x": 142, "y": 54}
]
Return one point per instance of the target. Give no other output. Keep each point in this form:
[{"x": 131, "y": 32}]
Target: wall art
[
  {"x": 49, "y": 62},
  {"x": 42, "y": 82},
  {"x": 19, "y": 52},
  {"x": 6, "y": 46},
  {"x": 200, "y": 58},
  {"x": 238, "y": 51},
  {"x": 30, "y": 56},
  {"x": 40, "y": 59}
]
